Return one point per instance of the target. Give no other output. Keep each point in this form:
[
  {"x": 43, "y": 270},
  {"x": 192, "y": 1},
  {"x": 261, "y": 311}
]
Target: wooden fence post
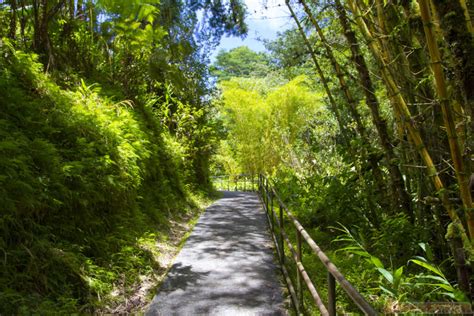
[
  {"x": 272, "y": 222},
  {"x": 299, "y": 285},
  {"x": 331, "y": 295},
  {"x": 282, "y": 243}
]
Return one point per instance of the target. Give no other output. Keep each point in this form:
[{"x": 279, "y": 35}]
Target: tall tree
[{"x": 240, "y": 62}]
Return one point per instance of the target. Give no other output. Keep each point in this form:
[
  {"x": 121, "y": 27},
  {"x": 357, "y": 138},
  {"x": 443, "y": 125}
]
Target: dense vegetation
[
  {"x": 110, "y": 129},
  {"x": 105, "y": 137},
  {"x": 363, "y": 119}
]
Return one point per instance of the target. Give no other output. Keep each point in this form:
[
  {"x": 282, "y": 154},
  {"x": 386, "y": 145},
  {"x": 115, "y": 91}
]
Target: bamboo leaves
[
  {"x": 418, "y": 53},
  {"x": 265, "y": 126}
]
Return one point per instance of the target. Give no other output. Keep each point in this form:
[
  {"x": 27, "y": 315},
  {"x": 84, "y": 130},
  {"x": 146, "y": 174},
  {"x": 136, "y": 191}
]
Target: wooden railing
[
  {"x": 271, "y": 201},
  {"x": 237, "y": 182}
]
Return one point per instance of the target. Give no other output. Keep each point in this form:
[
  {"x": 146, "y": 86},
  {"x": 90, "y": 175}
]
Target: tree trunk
[
  {"x": 448, "y": 117},
  {"x": 80, "y": 10},
  {"x": 352, "y": 106},
  {"x": 374, "y": 217},
  {"x": 13, "y": 19},
  {"x": 399, "y": 193},
  {"x": 408, "y": 121}
]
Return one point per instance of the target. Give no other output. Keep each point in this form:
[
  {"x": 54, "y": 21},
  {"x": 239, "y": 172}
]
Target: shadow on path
[{"x": 226, "y": 266}]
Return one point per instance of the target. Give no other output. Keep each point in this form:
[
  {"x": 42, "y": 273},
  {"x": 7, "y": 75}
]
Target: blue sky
[{"x": 265, "y": 19}]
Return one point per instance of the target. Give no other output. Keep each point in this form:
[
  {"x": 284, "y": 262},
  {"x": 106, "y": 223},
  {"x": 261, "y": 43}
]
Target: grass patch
[{"x": 164, "y": 247}]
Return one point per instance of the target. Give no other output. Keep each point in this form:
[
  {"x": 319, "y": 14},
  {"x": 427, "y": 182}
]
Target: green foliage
[
  {"x": 240, "y": 62},
  {"x": 83, "y": 179},
  {"x": 435, "y": 278},
  {"x": 403, "y": 283},
  {"x": 97, "y": 155},
  {"x": 289, "y": 55},
  {"x": 265, "y": 123}
]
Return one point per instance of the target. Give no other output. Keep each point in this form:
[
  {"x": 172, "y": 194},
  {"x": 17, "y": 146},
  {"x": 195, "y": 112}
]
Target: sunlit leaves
[
  {"x": 265, "y": 123},
  {"x": 133, "y": 22}
]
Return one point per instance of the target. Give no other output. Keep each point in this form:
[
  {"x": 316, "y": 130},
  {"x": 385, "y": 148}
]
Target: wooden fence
[
  {"x": 277, "y": 215},
  {"x": 271, "y": 202}
]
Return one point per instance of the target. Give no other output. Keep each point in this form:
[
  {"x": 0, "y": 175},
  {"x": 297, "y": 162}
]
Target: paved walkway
[{"x": 226, "y": 266}]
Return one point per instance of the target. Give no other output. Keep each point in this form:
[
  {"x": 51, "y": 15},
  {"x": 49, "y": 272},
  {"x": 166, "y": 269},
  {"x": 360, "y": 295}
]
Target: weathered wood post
[
  {"x": 331, "y": 295},
  {"x": 299, "y": 285},
  {"x": 282, "y": 243},
  {"x": 266, "y": 190},
  {"x": 272, "y": 222}
]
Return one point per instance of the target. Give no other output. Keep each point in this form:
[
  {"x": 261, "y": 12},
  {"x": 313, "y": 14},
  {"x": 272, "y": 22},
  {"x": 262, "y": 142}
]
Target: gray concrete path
[{"x": 226, "y": 266}]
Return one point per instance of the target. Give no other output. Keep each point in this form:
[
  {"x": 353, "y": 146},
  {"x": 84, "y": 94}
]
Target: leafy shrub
[
  {"x": 417, "y": 280},
  {"x": 82, "y": 178}
]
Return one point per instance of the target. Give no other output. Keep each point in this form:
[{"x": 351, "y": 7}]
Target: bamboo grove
[{"x": 420, "y": 55}]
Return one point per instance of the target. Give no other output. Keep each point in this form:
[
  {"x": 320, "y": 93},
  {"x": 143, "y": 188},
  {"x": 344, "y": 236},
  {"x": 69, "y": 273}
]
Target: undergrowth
[
  {"x": 86, "y": 183},
  {"x": 393, "y": 268}
]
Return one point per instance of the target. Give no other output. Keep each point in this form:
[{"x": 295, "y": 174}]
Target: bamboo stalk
[
  {"x": 435, "y": 20},
  {"x": 448, "y": 116},
  {"x": 374, "y": 220},
  {"x": 378, "y": 176},
  {"x": 467, "y": 16},
  {"x": 399, "y": 194},
  {"x": 460, "y": 41},
  {"x": 405, "y": 78},
  {"x": 321, "y": 74},
  {"x": 408, "y": 121},
  {"x": 340, "y": 76}
]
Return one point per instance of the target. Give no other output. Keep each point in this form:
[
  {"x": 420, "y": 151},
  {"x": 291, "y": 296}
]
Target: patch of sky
[{"x": 265, "y": 19}]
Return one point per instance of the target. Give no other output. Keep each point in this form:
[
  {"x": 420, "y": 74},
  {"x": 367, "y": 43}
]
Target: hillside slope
[{"x": 87, "y": 184}]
